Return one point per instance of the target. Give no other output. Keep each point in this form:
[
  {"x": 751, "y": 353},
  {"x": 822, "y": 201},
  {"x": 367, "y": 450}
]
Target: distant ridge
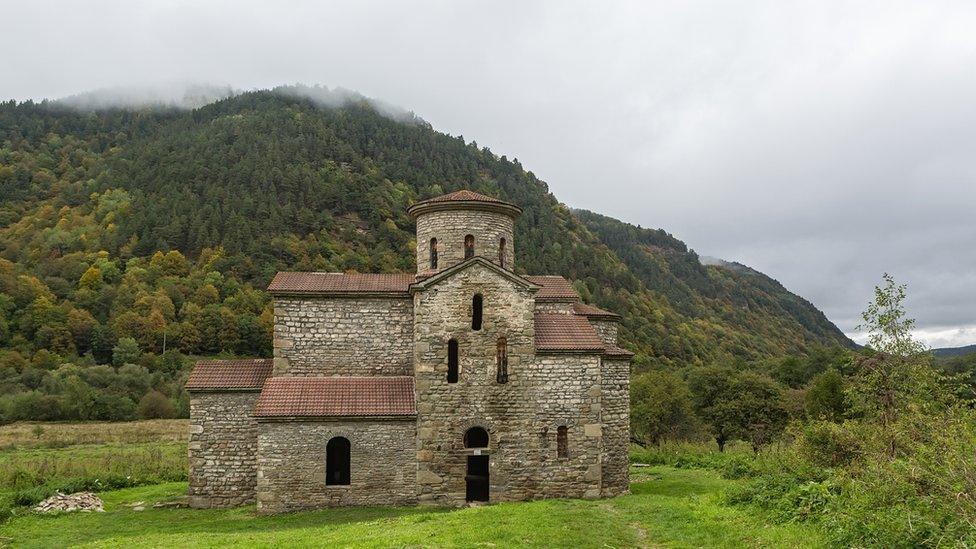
[{"x": 945, "y": 352}]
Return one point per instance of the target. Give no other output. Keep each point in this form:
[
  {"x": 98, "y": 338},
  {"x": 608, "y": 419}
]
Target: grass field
[
  {"x": 668, "y": 507},
  {"x": 38, "y": 459},
  {"x": 57, "y": 435}
]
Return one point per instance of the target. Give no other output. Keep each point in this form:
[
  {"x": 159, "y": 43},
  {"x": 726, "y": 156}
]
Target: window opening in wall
[
  {"x": 337, "y": 461},
  {"x": 452, "y": 361},
  {"x": 562, "y": 442},
  {"x": 476, "y": 437},
  {"x": 433, "y": 253},
  {"x": 468, "y": 246},
  {"x": 501, "y": 252},
  {"x": 477, "y": 306},
  {"x": 501, "y": 360}
]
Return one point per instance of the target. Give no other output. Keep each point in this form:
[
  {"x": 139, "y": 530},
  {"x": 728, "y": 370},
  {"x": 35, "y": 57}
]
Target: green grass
[
  {"x": 668, "y": 507},
  {"x": 28, "y": 475},
  {"x": 38, "y": 466}
]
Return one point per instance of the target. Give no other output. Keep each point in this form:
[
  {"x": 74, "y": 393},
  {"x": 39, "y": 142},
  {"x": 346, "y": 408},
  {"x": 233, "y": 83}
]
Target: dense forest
[{"x": 132, "y": 240}]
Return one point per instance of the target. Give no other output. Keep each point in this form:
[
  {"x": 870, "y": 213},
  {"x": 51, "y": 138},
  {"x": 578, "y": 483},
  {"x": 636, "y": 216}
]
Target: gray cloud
[{"x": 821, "y": 143}]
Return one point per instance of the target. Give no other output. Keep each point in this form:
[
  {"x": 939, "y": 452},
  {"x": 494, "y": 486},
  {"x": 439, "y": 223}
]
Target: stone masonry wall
[
  {"x": 291, "y": 464},
  {"x": 521, "y": 416},
  {"x": 221, "y": 450},
  {"x": 450, "y": 228},
  {"x": 616, "y": 426},
  {"x": 569, "y": 394},
  {"x": 447, "y": 410},
  {"x": 343, "y": 336},
  {"x": 607, "y": 330}
]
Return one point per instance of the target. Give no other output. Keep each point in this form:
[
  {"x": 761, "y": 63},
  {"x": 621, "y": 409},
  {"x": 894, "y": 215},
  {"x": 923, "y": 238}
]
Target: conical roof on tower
[{"x": 464, "y": 199}]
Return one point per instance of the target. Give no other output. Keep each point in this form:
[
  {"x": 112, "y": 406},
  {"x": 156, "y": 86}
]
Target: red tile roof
[
  {"x": 341, "y": 283},
  {"x": 464, "y": 199},
  {"x": 464, "y": 195},
  {"x": 560, "y": 332},
  {"x": 594, "y": 312},
  {"x": 612, "y": 351},
  {"x": 336, "y": 396},
  {"x": 554, "y": 288},
  {"x": 229, "y": 375}
]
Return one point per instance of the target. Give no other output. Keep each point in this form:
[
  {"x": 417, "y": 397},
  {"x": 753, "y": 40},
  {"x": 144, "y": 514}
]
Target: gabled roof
[
  {"x": 336, "y": 397},
  {"x": 554, "y": 288},
  {"x": 464, "y": 200},
  {"x": 593, "y": 312},
  {"x": 341, "y": 284},
  {"x": 229, "y": 375},
  {"x": 565, "y": 333},
  {"x": 476, "y": 260}
]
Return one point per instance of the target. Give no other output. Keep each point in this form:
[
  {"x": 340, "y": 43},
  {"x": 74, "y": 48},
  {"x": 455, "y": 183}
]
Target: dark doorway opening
[{"x": 476, "y": 481}]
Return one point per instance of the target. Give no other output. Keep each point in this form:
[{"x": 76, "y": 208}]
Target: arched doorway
[{"x": 476, "y": 480}]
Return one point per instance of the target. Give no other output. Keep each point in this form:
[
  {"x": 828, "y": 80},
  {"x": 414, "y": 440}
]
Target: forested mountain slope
[{"x": 271, "y": 180}]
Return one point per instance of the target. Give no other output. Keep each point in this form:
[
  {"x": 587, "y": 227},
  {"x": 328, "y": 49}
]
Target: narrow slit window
[
  {"x": 477, "y": 306},
  {"x": 468, "y": 246},
  {"x": 501, "y": 360},
  {"x": 337, "y": 461},
  {"x": 562, "y": 442},
  {"x": 452, "y": 361},
  {"x": 433, "y": 253},
  {"x": 501, "y": 252}
]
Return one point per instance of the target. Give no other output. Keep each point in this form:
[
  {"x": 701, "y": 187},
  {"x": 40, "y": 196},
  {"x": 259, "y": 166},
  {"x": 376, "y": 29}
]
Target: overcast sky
[{"x": 820, "y": 143}]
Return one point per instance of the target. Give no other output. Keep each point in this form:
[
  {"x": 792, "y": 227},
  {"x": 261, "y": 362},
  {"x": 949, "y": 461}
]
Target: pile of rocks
[{"x": 62, "y": 503}]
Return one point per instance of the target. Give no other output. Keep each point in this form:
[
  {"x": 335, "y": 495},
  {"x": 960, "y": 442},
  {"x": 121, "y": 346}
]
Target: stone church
[{"x": 465, "y": 381}]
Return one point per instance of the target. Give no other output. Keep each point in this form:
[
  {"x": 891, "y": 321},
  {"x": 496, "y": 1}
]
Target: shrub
[
  {"x": 155, "y": 405},
  {"x": 829, "y": 444},
  {"x": 112, "y": 407},
  {"x": 825, "y": 397}
]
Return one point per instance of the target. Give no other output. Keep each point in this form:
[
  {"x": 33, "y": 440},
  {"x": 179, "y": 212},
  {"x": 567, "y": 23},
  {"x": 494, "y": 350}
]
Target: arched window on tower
[
  {"x": 501, "y": 361},
  {"x": 433, "y": 253},
  {"x": 452, "y": 361},
  {"x": 501, "y": 252},
  {"x": 468, "y": 246},
  {"x": 477, "y": 306},
  {"x": 337, "y": 461},
  {"x": 562, "y": 442}
]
